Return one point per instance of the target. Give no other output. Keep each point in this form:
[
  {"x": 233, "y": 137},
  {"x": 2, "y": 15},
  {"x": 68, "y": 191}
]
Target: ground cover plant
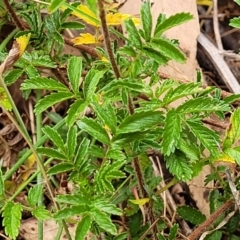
[{"x": 118, "y": 112}]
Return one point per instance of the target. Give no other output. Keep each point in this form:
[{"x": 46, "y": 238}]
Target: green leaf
[
  {"x": 203, "y": 104},
  {"x": 235, "y": 22},
  {"x": 54, "y": 5},
  {"x": 92, "y": 5},
  {"x": 190, "y": 149},
  {"x": 83, "y": 227},
  {"x": 4, "y": 101},
  {"x": 50, "y": 100},
  {"x": 13, "y": 76},
  {"x": 234, "y": 153},
  {"x": 72, "y": 25},
  {"x": 128, "y": 50},
  {"x": 171, "y": 22},
  {"x": 55, "y": 137},
  {"x": 34, "y": 194},
  {"x": 116, "y": 84},
  {"x": 74, "y": 72},
  {"x": 171, "y": 132},
  {"x": 44, "y": 84},
  {"x": 182, "y": 90},
  {"x": 146, "y": 19},
  {"x": 60, "y": 168},
  {"x": 165, "y": 85},
  {"x": 74, "y": 111},
  {"x": 192, "y": 215},
  {"x": 216, "y": 235},
  {"x": 53, "y": 153},
  {"x": 107, "y": 115},
  {"x": 91, "y": 82},
  {"x": 155, "y": 55},
  {"x": 71, "y": 141},
  {"x": 81, "y": 152},
  {"x": 31, "y": 71},
  {"x": 72, "y": 199},
  {"x": 41, "y": 213},
  {"x": 94, "y": 129},
  {"x": 58, "y": 37},
  {"x": 140, "y": 121},
  {"x": 107, "y": 207},
  {"x": 237, "y": 1},
  {"x": 12, "y": 218},
  {"x": 121, "y": 236},
  {"x": 232, "y": 98},
  {"x": 208, "y": 138},
  {"x": 178, "y": 166},
  {"x": 173, "y": 232},
  {"x": 70, "y": 211},
  {"x": 133, "y": 35},
  {"x": 104, "y": 221},
  {"x": 233, "y": 131},
  {"x": 168, "y": 49}
]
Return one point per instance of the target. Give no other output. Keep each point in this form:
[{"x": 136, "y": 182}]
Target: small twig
[
  {"x": 198, "y": 231},
  {"x": 149, "y": 229}
]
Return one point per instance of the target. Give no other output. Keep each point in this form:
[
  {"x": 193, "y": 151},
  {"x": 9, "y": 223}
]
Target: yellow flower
[
  {"x": 104, "y": 59},
  {"x": 23, "y": 42},
  {"x": 87, "y": 15},
  {"x": 91, "y": 18},
  {"x": 84, "y": 38}
]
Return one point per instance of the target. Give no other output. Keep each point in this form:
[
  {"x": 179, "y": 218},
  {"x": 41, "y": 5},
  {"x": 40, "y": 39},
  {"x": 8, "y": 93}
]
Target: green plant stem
[
  {"x": 43, "y": 139},
  {"x": 14, "y": 108},
  {"x": 7, "y": 39},
  {"x": 39, "y": 176}
]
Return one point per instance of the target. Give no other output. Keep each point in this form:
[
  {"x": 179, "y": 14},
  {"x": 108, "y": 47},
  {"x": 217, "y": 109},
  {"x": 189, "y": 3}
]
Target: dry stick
[
  {"x": 216, "y": 26},
  {"x": 198, "y": 231},
  {"x": 139, "y": 175}
]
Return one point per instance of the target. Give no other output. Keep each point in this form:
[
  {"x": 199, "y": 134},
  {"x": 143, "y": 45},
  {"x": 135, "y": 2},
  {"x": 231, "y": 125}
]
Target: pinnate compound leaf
[
  {"x": 71, "y": 141},
  {"x": 171, "y": 132},
  {"x": 146, "y": 19},
  {"x": 55, "y": 137},
  {"x": 74, "y": 111},
  {"x": 191, "y": 150},
  {"x": 140, "y": 121},
  {"x": 208, "y": 138},
  {"x": 60, "y": 168},
  {"x": 107, "y": 207},
  {"x": 41, "y": 213},
  {"x": 52, "y": 99},
  {"x": 13, "y": 76},
  {"x": 232, "y": 98},
  {"x": 43, "y": 83},
  {"x": 34, "y": 194},
  {"x": 203, "y": 104},
  {"x": 104, "y": 221},
  {"x": 192, "y": 215},
  {"x": 83, "y": 227},
  {"x": 53, "y": 153},
  {"x": 133, "y": 35},
  {"x": 233, "y": 131},
  {"x": 72, "y": 199},
  {"x": 91, "y": 82},
  {"x": 94, "y": 129},
  {"x": 12, "y": 214},
  {"x": 54, "y": 5},
  {"x": 70, "y": 211},
  {"x": 171, "y": 22},
  {"x": 235, "y": 22},
  {"x": 74, "y": 72},
  {"x": 168, "y": 49},
  {"x": 178, "y": 166},
  {"x": 182, "y": 90}
]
